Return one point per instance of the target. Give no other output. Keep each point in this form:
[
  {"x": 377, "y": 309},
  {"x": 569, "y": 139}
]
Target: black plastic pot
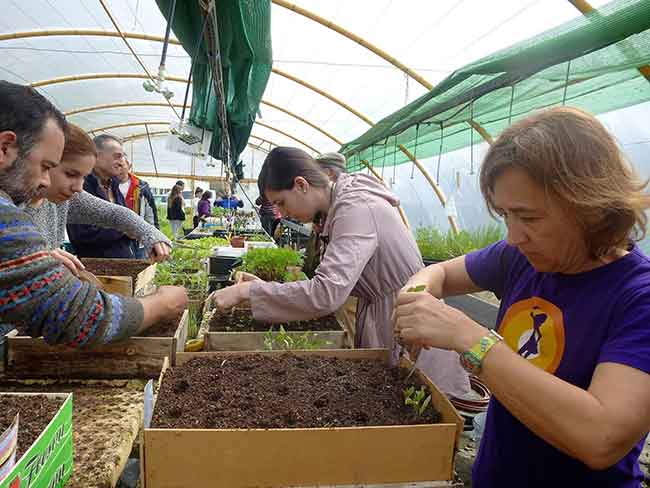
[{"x": 222, "y": 265}]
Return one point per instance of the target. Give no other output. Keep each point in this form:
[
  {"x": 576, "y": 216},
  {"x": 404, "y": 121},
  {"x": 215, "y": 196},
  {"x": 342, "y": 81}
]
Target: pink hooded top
[{"x": 370, "y": 255}]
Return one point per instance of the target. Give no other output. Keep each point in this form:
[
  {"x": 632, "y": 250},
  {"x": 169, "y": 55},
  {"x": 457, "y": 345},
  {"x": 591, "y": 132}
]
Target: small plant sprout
[
  {"x": 417, "y": 399},
  {"x": 417, "y": 289},
  {"x": 285, "y": 341}
]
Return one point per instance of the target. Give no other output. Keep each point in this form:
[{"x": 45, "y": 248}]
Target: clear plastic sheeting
[{"x": 434, "y": 39}]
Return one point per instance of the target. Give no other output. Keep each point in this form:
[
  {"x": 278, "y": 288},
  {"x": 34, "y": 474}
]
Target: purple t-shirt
[{"x": 566, "y": 325}]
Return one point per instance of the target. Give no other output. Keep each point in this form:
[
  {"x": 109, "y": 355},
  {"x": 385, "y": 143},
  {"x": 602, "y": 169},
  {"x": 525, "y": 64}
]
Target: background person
[
  {"x": 91, "y": 241},
  {"x": 176, "y": 210}
]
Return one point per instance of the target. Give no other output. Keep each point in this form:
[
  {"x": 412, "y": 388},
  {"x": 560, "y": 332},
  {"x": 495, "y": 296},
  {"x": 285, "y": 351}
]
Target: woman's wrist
[{"x": 470, "y": 334}]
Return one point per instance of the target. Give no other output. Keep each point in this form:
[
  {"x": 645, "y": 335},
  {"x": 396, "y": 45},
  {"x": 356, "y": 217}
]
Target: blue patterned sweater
[{"x": 42, "y": 298}]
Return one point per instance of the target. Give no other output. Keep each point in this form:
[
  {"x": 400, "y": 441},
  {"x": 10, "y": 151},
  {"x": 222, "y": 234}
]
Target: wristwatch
[{"x": 472, "y": 359}]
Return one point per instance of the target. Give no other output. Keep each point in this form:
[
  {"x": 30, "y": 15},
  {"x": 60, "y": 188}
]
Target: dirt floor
[
  {"x": 242, "y": 321},
  {"x": 276, "y": 392},
  {"x": 35, "y": 413}
]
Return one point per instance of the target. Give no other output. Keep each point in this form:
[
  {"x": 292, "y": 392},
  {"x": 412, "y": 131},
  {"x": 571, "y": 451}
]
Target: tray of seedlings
[
  {"x": 36, "y": 443},
  {"x": 300, "y": 418},
  {"x": 139, "y": 356},
  {"x": 107, "y": 414},
  {"x": 130, "y": 277},
  {"x": 237, "y": 330}
]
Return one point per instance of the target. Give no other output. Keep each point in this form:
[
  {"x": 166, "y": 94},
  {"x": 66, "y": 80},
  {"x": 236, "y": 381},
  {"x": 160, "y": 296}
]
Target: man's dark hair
[
  {"x": 101, "y": 140},
  {"x": 24, "y": 111},
  {"x": 180, "y": 183}
]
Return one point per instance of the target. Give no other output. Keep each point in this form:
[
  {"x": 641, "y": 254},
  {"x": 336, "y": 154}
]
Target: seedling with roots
[{"x": 417, "y": 399}]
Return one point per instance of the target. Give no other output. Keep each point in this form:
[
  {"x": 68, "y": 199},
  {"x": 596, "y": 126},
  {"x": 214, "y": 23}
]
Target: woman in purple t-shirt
[{"x": 569, "y": 364}]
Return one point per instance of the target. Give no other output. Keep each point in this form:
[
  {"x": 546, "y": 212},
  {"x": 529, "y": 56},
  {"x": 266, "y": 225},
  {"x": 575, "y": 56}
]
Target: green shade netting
[
  {"x": 590, "y": 62},
  {"x": 246, "y": 58}
]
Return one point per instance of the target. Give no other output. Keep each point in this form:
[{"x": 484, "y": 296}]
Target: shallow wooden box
[
  {"x": 254, "y": 341},
  {"x": 134, "y": 358},
  {"x": 303, "y": 457},
  {"x": 124, "y": 285}
]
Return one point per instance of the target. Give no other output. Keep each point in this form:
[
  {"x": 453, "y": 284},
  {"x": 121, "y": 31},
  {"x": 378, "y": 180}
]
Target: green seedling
[
  {"x": 417, "y": 399},
  {"x": 417, "y": 289},
  {"x": 287, "y": 342}
]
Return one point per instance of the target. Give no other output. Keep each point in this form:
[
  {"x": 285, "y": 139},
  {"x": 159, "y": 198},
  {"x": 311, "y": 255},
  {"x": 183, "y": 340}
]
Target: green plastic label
[{"x": 48, "y": 463}]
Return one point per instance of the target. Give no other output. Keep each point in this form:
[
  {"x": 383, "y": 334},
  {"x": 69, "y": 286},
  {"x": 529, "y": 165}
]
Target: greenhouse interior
[{"x": 254, "y": 243}]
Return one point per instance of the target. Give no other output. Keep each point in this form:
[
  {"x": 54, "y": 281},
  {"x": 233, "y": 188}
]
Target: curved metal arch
[
  {"x": 161, "y": 122},
  {"x": 157, "y": 134},
  {"x": 96, "y": 76},
  {"x": 268, "y": 141},
  {"x": 355, "y": 38},
  {"x": 299, "y": 141},
  {"x": 128, "y": 124},
  {"x": 179, "y": 105},
  {"x": 141, "y": 36}
]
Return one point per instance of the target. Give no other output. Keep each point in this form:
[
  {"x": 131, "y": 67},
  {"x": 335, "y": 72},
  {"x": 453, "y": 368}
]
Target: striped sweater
[{"x": 42, "y": 298}]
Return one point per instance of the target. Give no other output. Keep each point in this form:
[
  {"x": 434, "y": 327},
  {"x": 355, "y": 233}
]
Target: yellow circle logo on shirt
[{"x": 534, "y": 329}]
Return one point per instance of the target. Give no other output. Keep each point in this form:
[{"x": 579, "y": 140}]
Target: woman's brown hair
[
  {"x": 570, "y": 154},
  {"x": 283, "y": 164},
  {"x": 77, "y": 143}
]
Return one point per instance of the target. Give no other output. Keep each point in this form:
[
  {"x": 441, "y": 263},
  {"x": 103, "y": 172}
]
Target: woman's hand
[
  {"x": 243, "y": 277},
  {"x": 425, "y": 321},
  {"x": 160, "y": 252},
  {"x": 231, "y": 296},
  {"x": 70, "y": 261}
]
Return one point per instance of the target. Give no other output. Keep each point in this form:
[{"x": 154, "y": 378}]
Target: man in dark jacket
[{"x": 96, "y": 242}]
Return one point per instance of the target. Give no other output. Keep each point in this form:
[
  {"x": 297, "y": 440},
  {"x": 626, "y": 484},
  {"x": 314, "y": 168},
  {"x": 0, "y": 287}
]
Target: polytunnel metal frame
[{"x": 582, "y": 5}]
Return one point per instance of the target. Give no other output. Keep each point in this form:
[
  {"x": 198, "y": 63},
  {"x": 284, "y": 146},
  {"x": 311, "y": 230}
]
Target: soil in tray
[
  {"x": 35, "y": 413},
  {"x": 125, "y": 267},
  {"x": 287, "y": 391},
  {"x": 165, "y": 328},
  {"x": 242, "y": 321}
]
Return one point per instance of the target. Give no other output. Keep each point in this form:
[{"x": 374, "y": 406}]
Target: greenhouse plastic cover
[{"x": 435, "y": 39}]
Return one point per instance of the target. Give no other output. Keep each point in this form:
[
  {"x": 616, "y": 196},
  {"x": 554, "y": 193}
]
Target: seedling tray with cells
[
  {"x": 236, "y": 330},
  {"x": 338, "y": 415}
]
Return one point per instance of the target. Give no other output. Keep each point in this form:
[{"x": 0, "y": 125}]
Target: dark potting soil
[
  {"x": 121, "y": 267},
  {"x": 35, "y": 413},
  {"x": 165, "y": 328},
  {"x": 258, "y": 391},
  {"x": 242, "y": 321}
]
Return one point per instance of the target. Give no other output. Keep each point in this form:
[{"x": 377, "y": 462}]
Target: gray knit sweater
[{"x": 83, "y": 208}]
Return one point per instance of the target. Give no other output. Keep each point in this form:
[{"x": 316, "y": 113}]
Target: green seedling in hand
[
  {"x": 417, "y": 399},
  {"x": 417, "y": 289}
]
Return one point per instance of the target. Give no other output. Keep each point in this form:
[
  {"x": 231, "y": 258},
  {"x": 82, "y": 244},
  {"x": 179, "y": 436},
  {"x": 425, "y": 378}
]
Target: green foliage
[
  {"x": 194, "y": 321},
  {"x": 434, "y": 244},
  {"x": 258, "y": 238},
  {"x": 167, "y": 274},
  {"x": 219, "y": 212},
  {"x": 417, "y": 399},
  {"x": 270, "y": 264},
  {"x": 285, "y": 341}
]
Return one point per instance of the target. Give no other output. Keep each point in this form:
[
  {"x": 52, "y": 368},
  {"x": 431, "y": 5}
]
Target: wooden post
[{"x": 438, "y": 191}]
